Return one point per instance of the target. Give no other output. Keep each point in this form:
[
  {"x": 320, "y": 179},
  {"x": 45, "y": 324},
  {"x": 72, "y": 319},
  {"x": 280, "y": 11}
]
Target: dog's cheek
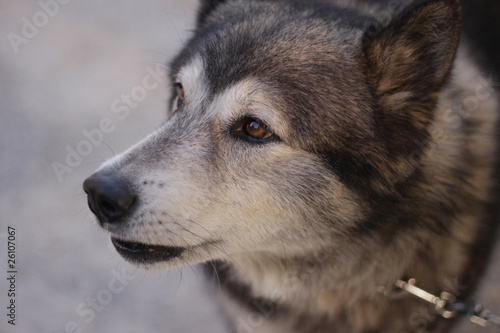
[
  {"x": 278, "y": 193},
  {"x": 306, "y": 184}
]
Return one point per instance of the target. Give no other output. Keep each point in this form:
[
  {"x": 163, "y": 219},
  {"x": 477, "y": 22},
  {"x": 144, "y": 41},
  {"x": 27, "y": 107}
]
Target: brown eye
[{"x": 256, "y": 131}]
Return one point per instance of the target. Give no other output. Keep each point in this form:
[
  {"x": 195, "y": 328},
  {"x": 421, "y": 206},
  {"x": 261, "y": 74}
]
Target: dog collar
[{"x": 446, "y": 304}]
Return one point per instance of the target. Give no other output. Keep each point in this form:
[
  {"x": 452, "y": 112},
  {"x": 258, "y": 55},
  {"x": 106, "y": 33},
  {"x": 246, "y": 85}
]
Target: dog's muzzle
[{"x": 112, "y": 199}]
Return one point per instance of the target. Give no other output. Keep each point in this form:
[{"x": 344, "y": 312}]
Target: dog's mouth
[{"x": 144, "y": 253}]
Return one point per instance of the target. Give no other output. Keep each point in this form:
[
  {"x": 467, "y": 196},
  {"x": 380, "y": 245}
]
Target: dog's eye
[
  {"x": 179, "y": 91},
  {"x": 254, "y": 130}
]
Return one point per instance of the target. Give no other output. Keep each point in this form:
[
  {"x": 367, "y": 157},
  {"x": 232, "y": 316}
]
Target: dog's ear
[
  {"x": 408, "y": 63},
  {"x": 206, "y": 7}
]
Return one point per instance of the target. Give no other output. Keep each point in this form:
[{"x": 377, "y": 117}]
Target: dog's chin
[{"x": 145, "y": 254}]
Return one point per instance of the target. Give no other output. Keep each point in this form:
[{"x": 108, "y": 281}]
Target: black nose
[{"x": 109, "y": 197}]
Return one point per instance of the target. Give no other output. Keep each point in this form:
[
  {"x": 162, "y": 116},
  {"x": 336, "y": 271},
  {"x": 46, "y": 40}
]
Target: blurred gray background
[{"x": 63, "y": 71}]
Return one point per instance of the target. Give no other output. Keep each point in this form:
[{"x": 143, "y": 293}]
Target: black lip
[{"x": 146, "y": 254}]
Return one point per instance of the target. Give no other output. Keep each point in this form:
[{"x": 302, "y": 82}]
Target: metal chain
[{"x": 446, "y": 305}]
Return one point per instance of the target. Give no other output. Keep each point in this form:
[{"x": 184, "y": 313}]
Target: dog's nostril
[
  {"x": 107, "y": 206},
  {"x": 108, "y": 209},
  {"x": 109, "y": 197},
  {"x": 117, "y": 206}
]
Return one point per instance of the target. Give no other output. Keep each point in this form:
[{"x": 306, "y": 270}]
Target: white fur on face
[{"x": 193, "y": 80}]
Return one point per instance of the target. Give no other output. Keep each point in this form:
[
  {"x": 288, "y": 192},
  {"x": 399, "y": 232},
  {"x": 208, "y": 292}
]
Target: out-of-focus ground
[{"x": 59, "y": 80}]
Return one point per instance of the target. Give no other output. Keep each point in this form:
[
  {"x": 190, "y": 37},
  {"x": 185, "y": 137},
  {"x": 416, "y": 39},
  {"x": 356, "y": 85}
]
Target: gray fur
[{"x": 380, "y": 165}]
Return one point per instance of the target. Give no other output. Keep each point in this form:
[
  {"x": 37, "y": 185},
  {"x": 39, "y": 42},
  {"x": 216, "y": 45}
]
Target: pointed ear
[
  {"x": 206, "y": 7},
  {"x": 408, "y": 64}
]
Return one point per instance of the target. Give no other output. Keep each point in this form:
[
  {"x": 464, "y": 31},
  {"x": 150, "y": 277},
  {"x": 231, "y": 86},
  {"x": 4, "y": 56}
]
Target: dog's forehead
[
  {"x": 307, "y": 67},
  {"x": 267, "y": 39},
  {"x": 249, "y": 96}
]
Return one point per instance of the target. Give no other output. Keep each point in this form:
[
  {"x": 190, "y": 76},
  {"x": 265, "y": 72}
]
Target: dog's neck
[{"x": 317, "y": 283}]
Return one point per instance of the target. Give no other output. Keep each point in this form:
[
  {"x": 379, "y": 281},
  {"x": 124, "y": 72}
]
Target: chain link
[{"x": 446, "y": 305}]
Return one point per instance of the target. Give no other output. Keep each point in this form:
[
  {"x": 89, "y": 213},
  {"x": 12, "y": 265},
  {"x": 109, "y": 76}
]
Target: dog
[{"x": 315, "y": 153}]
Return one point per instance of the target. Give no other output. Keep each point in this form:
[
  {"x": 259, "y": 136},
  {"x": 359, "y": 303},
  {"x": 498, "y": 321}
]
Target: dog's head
[{"x": 285, "y": 116}]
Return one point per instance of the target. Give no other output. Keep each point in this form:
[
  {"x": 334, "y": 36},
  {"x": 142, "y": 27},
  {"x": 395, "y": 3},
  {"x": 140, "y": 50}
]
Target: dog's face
[{"x": 272, "y": 142}]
